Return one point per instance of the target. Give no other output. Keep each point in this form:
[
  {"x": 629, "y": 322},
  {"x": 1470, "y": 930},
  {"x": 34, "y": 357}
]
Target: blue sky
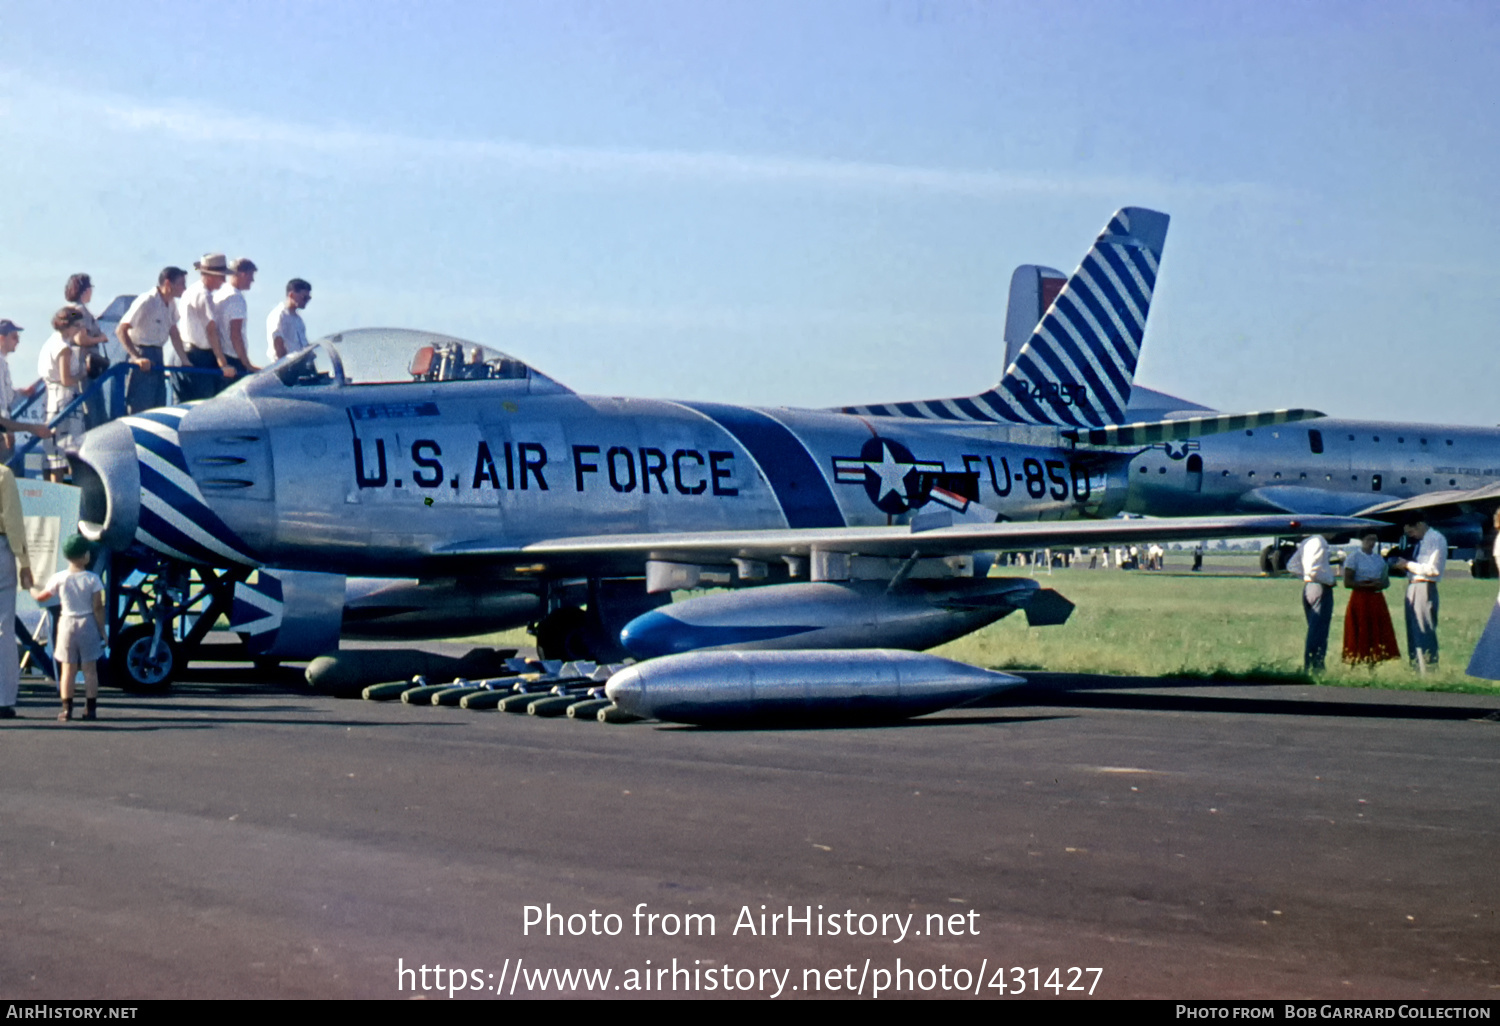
[{"x": 786, "y": 203}]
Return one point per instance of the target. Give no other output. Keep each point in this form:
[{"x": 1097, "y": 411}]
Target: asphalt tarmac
[{"x": 241, "y": 840}]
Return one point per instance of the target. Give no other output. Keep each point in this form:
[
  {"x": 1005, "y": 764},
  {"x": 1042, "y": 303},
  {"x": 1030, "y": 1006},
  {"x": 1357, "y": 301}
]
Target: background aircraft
[
  {"x": 1382, "y": 469},
  {"x": 486, "y": 488}
]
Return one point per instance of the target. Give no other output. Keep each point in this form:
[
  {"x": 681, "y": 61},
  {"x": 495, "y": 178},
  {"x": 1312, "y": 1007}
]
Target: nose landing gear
[{"x": 173, "y": 605}]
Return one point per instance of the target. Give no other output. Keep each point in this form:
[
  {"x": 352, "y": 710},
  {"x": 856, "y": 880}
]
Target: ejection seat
[{"x": 421, "y": 364}]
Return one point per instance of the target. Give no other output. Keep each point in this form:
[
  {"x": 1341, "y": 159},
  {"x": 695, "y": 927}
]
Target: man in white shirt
[
  {"x": 1310, "y": 561},
  {"x": 10, "y": 338},
  {"x": 146, "y": 327},
  {"x": 200, "y": 332},
  {"x": 285, "y": 332},
  {"x": 1423, "y": 571},
  {"x": 230, "y": 313}
]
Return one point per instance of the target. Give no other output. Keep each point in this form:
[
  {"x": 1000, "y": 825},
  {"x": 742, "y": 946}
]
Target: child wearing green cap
[{"x": 80, "y": 631}]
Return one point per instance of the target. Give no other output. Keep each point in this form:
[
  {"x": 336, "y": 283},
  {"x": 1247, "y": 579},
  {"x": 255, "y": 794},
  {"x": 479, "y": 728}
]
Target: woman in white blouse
[{"x": 1369, "y": 637}]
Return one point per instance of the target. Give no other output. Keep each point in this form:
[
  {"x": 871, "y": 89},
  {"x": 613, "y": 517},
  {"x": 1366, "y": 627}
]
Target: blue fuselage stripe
[
  {"x": 168, "y": 452},
  {"x": 190, "y": 509},
  {"x": 154, "y": 526},
  {"x": 801, "y": 489}
]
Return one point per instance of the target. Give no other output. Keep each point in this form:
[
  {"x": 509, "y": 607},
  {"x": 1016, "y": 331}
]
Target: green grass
[{"x": 1228, "y": 628}]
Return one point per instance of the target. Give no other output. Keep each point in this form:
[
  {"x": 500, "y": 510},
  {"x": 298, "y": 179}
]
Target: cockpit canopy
[{"x": 389, "y": 356}]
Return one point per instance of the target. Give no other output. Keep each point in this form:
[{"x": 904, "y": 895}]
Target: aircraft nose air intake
[
  {"x": 137, "y": 488},
  {"x": 108, "y": 472}
]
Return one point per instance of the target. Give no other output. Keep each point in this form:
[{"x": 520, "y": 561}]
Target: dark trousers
[
  {"x": 1421, "y": 622},
  {"x": 146, "y": 390},
  {"x": 200, "y": 386},
  {"x": 1317, "y": 606}
]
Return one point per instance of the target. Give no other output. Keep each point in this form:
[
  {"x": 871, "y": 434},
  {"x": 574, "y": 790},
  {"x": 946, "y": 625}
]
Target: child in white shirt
[{"x": 80, "y": 632}]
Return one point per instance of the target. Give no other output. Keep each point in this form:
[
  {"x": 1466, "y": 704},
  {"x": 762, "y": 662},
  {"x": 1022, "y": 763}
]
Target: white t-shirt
[
  {"x": 288, "y": 324},
  {"x": 194, "y": 311},
  {"x": 1368, "y": 567},
  {"x": 49, "y": 365},
  {"x": 76, "y": 590},
  {"x": 49, "y": 362},
  {"x": 229, "y": 305}
]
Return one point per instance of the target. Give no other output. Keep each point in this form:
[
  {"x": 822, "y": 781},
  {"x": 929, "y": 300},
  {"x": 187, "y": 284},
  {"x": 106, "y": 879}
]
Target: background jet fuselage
[{"x": 1331, "y": 466}]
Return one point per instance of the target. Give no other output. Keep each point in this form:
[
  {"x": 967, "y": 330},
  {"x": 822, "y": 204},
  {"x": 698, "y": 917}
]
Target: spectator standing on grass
[
  {"x": 1423, "y": 572},
  {"x": 1310, "y": 562},
  {"x": 1369, "y": 637}
]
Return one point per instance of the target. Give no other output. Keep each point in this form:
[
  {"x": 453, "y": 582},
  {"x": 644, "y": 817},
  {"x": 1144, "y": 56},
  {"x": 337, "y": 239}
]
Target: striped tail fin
[{"x": 1078, "y": 367}]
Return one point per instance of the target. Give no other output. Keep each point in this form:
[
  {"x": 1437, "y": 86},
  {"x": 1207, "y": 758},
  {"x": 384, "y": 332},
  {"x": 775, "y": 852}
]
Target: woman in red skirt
[{"x": 1368, "y": 635}]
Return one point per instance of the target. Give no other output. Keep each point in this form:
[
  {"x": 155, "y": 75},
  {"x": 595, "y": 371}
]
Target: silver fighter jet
[{"x": 489, "y": 495}]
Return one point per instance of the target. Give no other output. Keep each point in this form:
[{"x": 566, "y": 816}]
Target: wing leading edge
[{"x": 626, "y": 554}]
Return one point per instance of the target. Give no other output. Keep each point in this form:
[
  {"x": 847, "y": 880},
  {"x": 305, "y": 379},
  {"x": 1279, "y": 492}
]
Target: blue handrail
[{"x": 114, "y": 377}]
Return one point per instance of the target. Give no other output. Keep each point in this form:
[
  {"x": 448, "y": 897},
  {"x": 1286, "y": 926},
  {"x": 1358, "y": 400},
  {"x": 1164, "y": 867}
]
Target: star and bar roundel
[{"x": 896, "y": 481}]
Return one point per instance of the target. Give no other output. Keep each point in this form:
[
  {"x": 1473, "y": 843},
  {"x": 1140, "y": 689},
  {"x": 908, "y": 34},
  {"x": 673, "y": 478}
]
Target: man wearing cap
[
  {"x": 10, "y": 337},
  {"x": 230, "y": 311},
  {"x": 285, "y": 332},
  {"x": 200, "y": 332},
  {"x": 146, "y": 327},
  {"x": 1423, "y": 571}
]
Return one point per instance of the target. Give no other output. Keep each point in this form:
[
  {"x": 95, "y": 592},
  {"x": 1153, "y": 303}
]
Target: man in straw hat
[{"x": 200, "y": 333}]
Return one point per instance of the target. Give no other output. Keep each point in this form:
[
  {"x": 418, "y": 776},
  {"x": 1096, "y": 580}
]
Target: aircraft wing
[
  {"x": 626, "y": 553},
  {"x": 1450, "y": 502}
]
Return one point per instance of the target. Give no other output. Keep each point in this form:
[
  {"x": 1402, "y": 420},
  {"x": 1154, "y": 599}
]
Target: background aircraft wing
[
  {"x": 1437, "y": 505},
  {"x": 626, "y": 553}
]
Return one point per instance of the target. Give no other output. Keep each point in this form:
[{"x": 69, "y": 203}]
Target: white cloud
[{"x": 294, "y": 143}]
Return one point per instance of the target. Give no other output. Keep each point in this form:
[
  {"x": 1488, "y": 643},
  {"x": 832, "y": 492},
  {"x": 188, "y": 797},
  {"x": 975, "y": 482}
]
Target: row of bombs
[{"x": 537, "y": 687}]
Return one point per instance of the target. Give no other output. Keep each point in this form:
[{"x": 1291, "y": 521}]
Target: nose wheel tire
[{"x": 134, "y": 666}]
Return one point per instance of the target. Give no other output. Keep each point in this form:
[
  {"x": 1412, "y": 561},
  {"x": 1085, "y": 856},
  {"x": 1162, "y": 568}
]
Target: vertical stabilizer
[{"x": 1078, "y": 366}]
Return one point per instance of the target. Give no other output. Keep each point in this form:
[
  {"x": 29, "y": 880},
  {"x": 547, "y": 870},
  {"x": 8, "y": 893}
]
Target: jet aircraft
[
  {"x": 1336, "y": 466},
  {"x": 486, "y": 493}
]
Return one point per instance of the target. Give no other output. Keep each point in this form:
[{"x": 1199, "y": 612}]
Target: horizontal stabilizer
[{"x": 1150, "y": 432}]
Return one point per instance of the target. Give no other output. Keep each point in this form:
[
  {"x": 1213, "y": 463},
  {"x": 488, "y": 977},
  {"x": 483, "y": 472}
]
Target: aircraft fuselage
[
  {"x": 1332, "y": 466},
  {"x": 346, "y": 478}
]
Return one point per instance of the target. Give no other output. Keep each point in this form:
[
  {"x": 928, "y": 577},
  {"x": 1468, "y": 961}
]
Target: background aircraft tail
[
  {"x": 1032, "y": 290},
  {"x": 1078, "y": 366}
]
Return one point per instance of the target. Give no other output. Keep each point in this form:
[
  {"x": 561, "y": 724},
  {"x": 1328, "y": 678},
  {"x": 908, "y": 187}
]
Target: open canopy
[{"x": 389, "y": 356}]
